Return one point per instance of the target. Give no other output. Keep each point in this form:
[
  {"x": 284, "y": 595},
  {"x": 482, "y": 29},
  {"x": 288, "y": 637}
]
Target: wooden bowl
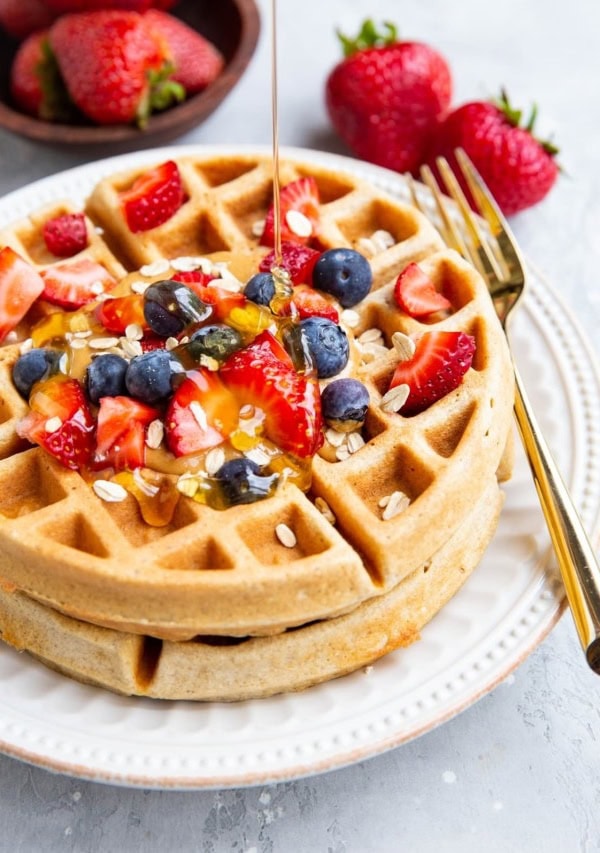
[{"x": 232, "y": 25}]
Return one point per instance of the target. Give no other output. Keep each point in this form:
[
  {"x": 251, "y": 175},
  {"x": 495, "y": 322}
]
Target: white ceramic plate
[{"x": 505, "y": 609}]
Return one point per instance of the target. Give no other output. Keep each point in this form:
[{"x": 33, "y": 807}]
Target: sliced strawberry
[
  {"x": 150, "y": 342},
  {"x": 436, "y": 368},
  {"x": 75, "y": 283},
  {"x": 308, "y": 302},
  {"x": 201, "y": 414},
  {"x": 153, "y": 198},
  {"x": 120, "y": 439},
  {"x": 300, "y": 196},
  {"x": 206, "y": 287},
  {"x": 122, "y": 311},
  {"x": 415, "y": 293},
  {"x": 296, "y": 259},
  {"x": 20, "y": 286},
  {"x": 60, "y": 421},
  {"x": 263, "y": 375},
  {"x": 65, "y": 235},
  {"x": 193, "y": 277}
]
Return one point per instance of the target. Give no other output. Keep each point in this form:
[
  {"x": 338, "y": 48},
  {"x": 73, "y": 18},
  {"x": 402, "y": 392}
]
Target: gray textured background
[{"x": 520, "y": 770}]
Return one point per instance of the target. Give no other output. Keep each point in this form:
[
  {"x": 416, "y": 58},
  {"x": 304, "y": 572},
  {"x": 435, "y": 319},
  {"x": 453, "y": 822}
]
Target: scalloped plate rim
[{"x": 82, "y": 178}]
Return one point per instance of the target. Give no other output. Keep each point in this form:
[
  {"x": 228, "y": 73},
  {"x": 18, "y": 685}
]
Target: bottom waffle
[{"x": 218, "y": 669}]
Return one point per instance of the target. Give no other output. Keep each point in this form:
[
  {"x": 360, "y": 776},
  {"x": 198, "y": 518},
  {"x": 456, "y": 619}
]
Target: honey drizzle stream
[
  {"x": 275, "y": 135},
  {"x": 281, "y": 279}
]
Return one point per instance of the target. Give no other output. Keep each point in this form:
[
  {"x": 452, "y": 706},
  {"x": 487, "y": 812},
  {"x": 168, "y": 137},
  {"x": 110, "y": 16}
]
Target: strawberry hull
[{"x": 518, "y": 169}]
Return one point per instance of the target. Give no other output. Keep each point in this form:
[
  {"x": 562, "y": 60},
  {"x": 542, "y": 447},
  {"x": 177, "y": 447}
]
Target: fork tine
[
  {"x": 452, "y": 234},
  {"x": 414, "y": 196},
  {"x": 489, "y": 210},
  {"x": 488, "y": 263}
]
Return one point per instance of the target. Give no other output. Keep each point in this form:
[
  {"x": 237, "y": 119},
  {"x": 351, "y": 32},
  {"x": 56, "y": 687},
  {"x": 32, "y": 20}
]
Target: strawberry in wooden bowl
[{"x": 143, "y": 74}]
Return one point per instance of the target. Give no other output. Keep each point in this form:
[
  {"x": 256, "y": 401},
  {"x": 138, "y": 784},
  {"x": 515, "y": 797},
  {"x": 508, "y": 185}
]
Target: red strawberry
[
  {"x": 75, "y": 283},
  {"x": 121, "y": 433},
  {"x": 151, "y": 342},
  {"x": 113, "y": 67},
  {"x": 263, "y": 375},
  {"x": 122, "y": 311},
  {"x": 386, "y": 97},
  {"x": 154, "y": 197},
  {"x": 65, "y": 235},
  {"x": 518, "y": 168},
  {"x": 20, "y": 18},
  {"x": 25, "y": 84},
  {"x": 20, "y": 286},
  {"x": 62, "y": 6},
  {"x": 36, "y": 85},
  {"x": 65, "y": 6},
  {"x": 196, "y": 61},
  {"x": 437, "y": 367},
  {"x": 296, "y": 259},
  {"x": 301, "y": 196},
  {"x": 60, "y": 421},
  {"x": 193, "y": 278},
  {"x": 415, "y": 293},
  {"x": 201, "y": 414},
  {"x": 312, "y": 303}
]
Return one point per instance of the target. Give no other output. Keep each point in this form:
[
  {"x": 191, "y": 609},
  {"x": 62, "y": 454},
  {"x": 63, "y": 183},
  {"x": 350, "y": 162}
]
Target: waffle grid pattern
[{"x": 225, "y": 574}]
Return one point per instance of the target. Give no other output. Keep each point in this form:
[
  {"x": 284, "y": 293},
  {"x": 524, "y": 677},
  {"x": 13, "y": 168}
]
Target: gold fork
[{"x": 489, "y": 244}]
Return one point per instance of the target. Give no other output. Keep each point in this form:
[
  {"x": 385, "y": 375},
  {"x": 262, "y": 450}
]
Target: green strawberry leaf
[
  {"x": 368, "y": 37},
  {"x": 56, "y": 103},
  {"x": 514, "y": 117},
  {"x": 162, "y": 93}
]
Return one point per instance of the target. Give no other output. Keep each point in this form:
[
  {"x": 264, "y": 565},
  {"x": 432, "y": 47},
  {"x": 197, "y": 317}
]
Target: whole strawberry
[
  {"x": 196, "y": 61},
  {"x": 63, "y": 6},
  {"x": 386, "y": 97},
  {"x": 518, "y": 168},
  {"x": 115, "y": 69},
  {"x": 36, "y": 86},
  {"x": 25, "y": 83},
  {"x": 20, "y": 18}
]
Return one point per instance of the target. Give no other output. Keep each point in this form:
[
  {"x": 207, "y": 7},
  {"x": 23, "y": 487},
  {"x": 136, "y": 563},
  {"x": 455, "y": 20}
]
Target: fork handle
[{"x": 576, "y": 558}]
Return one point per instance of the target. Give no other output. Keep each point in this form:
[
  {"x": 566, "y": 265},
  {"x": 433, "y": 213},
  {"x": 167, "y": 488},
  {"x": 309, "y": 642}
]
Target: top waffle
[{"x": 226, "y": 572}]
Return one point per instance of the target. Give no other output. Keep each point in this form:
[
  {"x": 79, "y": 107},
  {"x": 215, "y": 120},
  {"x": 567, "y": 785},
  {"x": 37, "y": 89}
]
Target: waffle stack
[{"x": 214, "y": 606}]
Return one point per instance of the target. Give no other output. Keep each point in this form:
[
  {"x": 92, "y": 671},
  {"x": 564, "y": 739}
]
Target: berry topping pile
[{"x": 189, "y": 381}]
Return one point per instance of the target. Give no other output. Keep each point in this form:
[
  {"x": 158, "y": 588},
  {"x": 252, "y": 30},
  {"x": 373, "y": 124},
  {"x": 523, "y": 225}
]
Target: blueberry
[
  {"x": 105, "y": 377},
  {"x": 31, "y": 367},
  {"x": 328, "y": 345},
  {"x": 170, "y": 306},
  {"x": 344, "y": 404},
  {"x": 148, "y": 376},
  {"x": 260, "y": 288},
  {"x": 216, "y": 341},
  {"x": 241, "y": 482},
  {"x": 345, "y": 274}
]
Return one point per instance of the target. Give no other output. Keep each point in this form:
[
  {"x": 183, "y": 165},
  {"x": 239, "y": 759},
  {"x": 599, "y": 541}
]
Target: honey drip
[{"x": 281, "y": 278}]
